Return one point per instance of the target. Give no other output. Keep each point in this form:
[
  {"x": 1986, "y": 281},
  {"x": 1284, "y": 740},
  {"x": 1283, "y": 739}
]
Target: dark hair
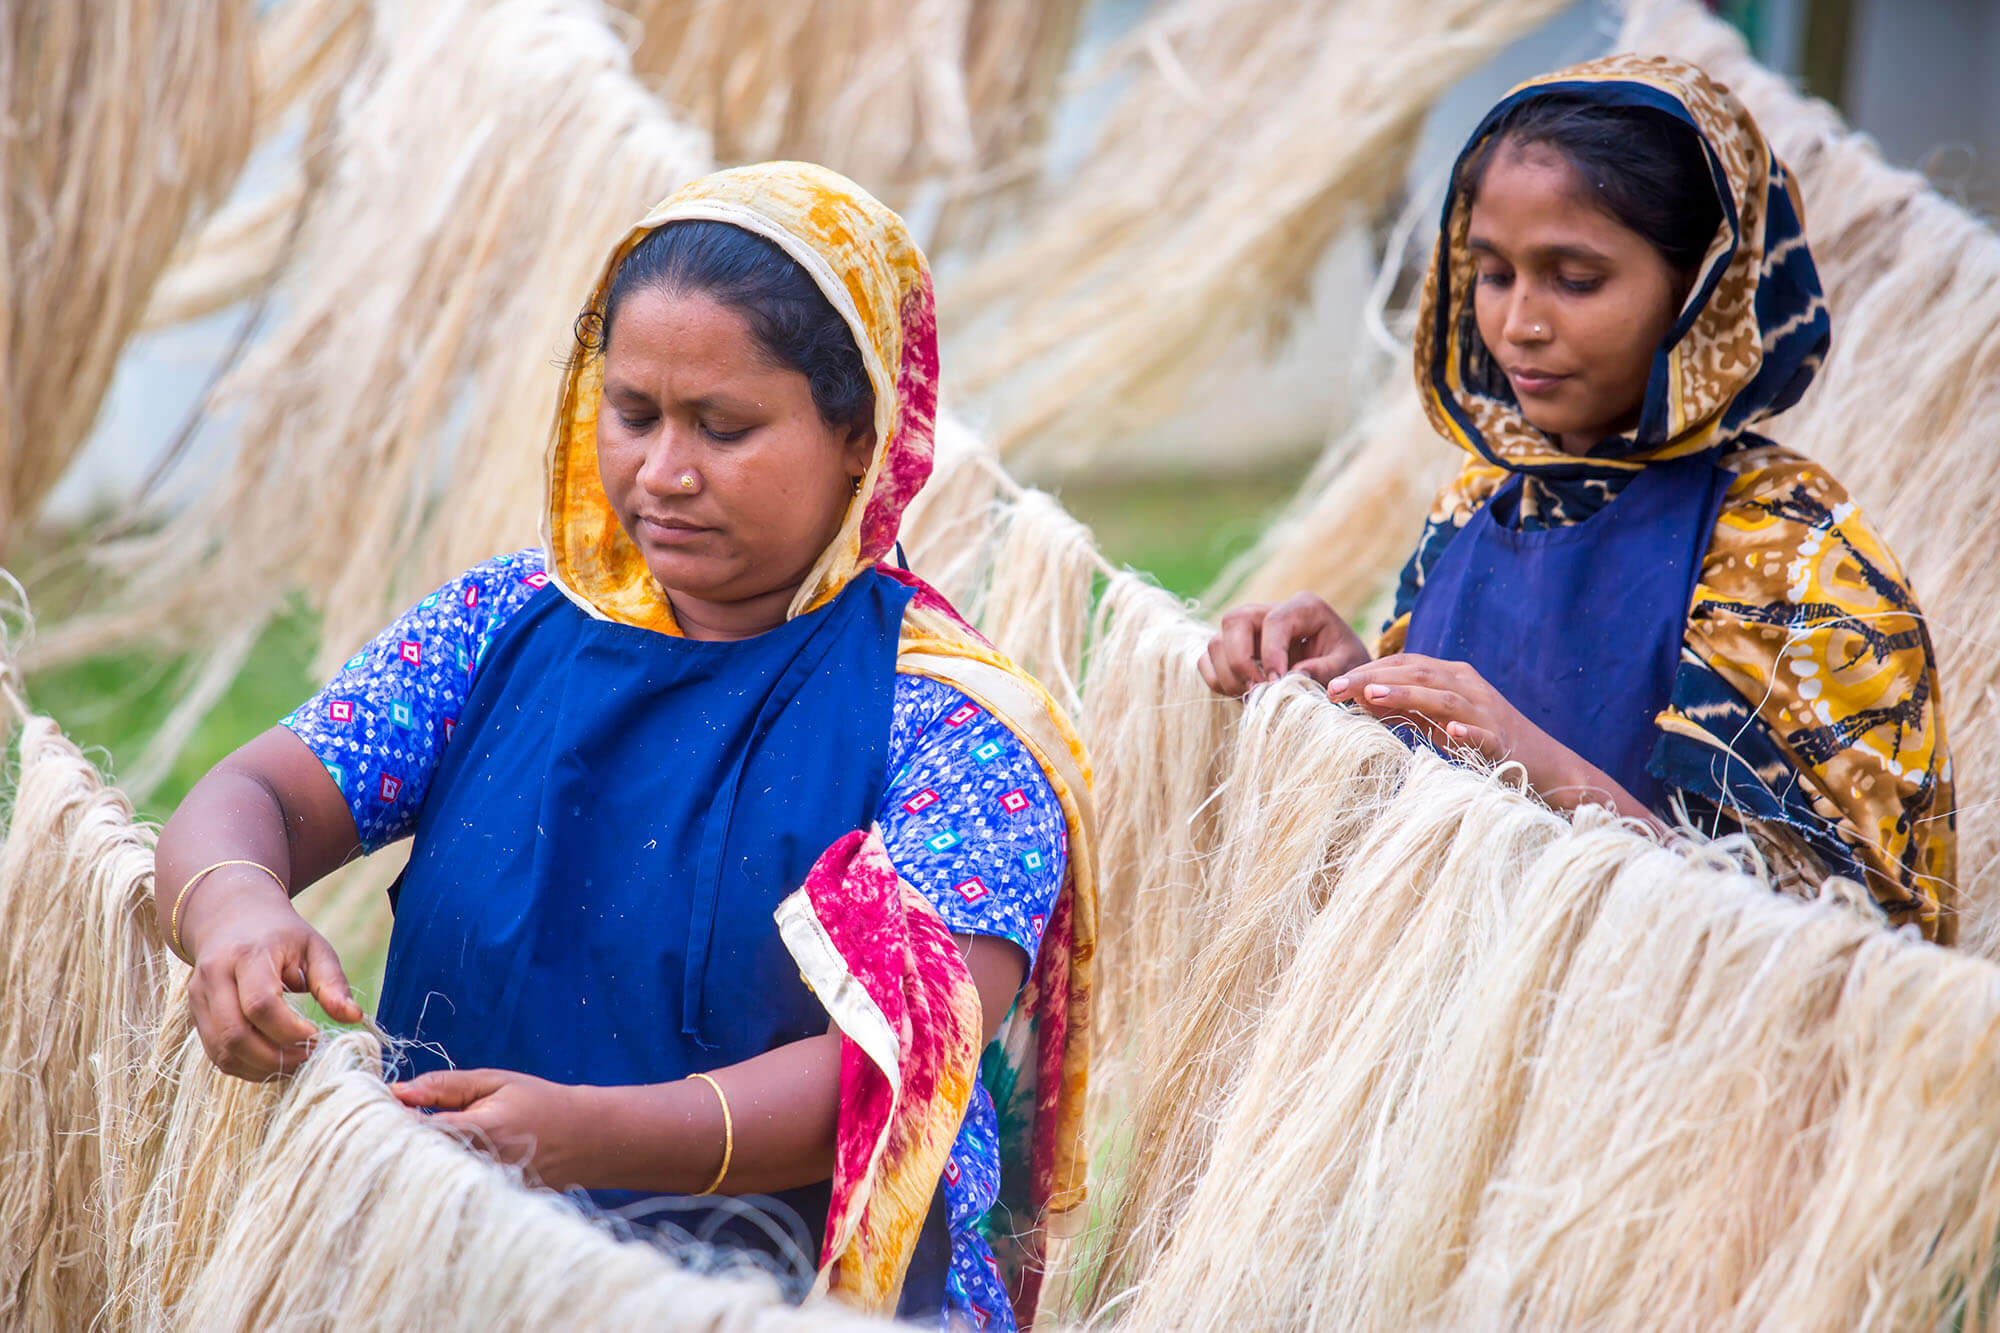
[
  {"x": 1643, "y": 167},
  {"x": 791, "y": 319}
]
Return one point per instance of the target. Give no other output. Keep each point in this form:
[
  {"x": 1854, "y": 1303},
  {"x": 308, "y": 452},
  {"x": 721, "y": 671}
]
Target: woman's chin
[
  {"x": 705, "y": 577},
  {"x": 1555, "y": 425},
  {"x": 1561, "y": 426},
  {"x": 715, "y": 580}
]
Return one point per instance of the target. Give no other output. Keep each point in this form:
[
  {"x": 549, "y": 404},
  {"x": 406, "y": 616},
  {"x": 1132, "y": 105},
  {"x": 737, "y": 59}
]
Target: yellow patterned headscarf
[
  {"x": 863, "y": 259},
  {"x": 1806, "y": 706}
]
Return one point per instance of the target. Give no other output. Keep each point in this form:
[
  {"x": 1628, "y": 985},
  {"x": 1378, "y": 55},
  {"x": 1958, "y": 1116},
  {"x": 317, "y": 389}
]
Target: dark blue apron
[
  {"x": 1580, "y": 627},
  {"x": 615, "y": 819}
]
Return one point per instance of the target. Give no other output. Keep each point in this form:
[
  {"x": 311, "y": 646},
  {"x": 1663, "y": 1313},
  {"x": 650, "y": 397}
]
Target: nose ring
[
  {"x": 687, "y": 481},
  {"x": 1539, "y": 330}
]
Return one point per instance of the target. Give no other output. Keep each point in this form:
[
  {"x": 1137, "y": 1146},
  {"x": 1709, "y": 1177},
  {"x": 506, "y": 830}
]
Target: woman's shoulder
[
  {"x": 945, "y": 731},
  {"x": 1766, "y": 470},
  {"x": 1464, "y": 495},
  {"x": 927, "y": 709},
  {"x": 455, "y": 621},
  {"x": 516, "y": 574},
  {"x": 1790, "y": 531},
  {"x": 1780, "y": 483},
  {"x": 487, "y": 595}
]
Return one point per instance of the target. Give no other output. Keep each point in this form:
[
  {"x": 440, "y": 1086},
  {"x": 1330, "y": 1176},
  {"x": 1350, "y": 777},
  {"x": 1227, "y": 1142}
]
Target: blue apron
[
  {"x": 616, "y": 817},
  {"x": 1580, "y": 627}
]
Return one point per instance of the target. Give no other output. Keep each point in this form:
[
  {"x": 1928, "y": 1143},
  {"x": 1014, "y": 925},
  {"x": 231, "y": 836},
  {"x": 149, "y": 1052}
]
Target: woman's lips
[
  {"x": 1534, "y": 383},
  {"x": 672, "y": 532}
]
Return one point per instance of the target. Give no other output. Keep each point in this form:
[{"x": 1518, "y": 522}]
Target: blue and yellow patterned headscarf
[{"x": 1806, "y": 704}]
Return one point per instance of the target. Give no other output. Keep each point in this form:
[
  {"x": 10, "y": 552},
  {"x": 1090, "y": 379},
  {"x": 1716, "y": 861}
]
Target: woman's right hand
[
  {"x": 1262, "y": 642},
  {"x": 251, "y": 947},
  {"x": 270, "y": 804}
]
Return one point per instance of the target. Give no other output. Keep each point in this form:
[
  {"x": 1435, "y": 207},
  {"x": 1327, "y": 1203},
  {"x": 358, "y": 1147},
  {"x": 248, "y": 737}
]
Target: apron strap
[{"x": 721, "y": 812}]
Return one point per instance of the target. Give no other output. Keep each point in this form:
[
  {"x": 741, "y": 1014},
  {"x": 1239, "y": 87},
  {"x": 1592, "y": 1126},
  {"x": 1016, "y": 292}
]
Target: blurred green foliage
[
  {"x": 1181, "y": 530},
  {"x": 112, "y": 705}
]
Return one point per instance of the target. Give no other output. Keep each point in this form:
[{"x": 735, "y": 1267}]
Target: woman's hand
[
  {"x": 1262, "y": 642},
  {"x": 547, "y": 1129},
  {"x": 1452, "y": 704},
  {"x": 272, "y": 803},
  {"x": 253, "y": 947}
]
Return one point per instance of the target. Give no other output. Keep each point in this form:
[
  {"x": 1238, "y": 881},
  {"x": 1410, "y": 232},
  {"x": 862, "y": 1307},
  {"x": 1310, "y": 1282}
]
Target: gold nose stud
[{"x": 687, "y": 481}]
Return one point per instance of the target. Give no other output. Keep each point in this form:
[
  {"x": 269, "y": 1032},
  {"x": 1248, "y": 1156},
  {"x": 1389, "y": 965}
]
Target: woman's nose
[
  {"x": 1526, "y": 324},
  {"x": 667, "y": 460}
]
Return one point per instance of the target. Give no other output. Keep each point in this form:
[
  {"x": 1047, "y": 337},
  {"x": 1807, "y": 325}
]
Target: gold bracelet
[
  {"x": 196, "y": 878},
  {"x": 728, "y": 1134}
]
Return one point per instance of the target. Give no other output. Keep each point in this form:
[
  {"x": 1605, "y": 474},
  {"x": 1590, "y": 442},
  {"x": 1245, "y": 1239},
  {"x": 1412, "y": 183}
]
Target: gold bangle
[
  {"x": 174, "y": 931},
  {"x": 728, "y": 1134}
]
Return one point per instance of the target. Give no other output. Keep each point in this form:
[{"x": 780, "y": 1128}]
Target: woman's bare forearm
[
  {"x": 228, "y": 816},
  {"x": 784, "y": 1108},
  {"x": 259, "y": 826},
  {"x": 668, "y": 1137},
  {"x": 271, "y": 804},
  {"x": 1586, "y": 784}
]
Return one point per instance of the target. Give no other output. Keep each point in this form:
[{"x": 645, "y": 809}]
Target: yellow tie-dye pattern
[{"x": 1888, "y": 788}]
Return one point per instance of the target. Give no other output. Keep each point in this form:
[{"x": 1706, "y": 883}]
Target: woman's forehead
[
  {"x": 659, "y": 329},
  {"x": 700, "y": 361},
  {"x": 1534, "y": 198}
]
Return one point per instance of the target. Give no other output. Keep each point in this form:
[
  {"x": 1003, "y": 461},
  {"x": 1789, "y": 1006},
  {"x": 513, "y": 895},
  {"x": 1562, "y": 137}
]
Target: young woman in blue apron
[
  {"x": 657, "y": 774},
  {"x": 1627, "y": 591}
]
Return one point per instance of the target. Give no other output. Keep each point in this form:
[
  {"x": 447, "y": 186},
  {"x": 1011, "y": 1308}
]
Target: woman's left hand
[
  {"x": 545, "y": 1128},
  {"x": 1452, "y": 704}
]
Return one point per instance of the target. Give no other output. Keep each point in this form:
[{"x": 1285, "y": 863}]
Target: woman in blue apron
[
  {"x": 1627, "y": 591},
  {"x": 731, "y": 849}
]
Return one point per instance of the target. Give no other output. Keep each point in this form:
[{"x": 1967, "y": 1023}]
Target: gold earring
[
  {"x": 857, "y": 486},
  {"x": 687, "y": 481}
]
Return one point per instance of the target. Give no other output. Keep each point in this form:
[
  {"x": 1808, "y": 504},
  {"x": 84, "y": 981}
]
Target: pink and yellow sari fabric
[{"x": 874, "y": 951}]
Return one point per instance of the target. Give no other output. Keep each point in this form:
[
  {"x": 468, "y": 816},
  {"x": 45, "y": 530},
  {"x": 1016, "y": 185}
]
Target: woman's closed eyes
[{"x": 1501, "y": 279}]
